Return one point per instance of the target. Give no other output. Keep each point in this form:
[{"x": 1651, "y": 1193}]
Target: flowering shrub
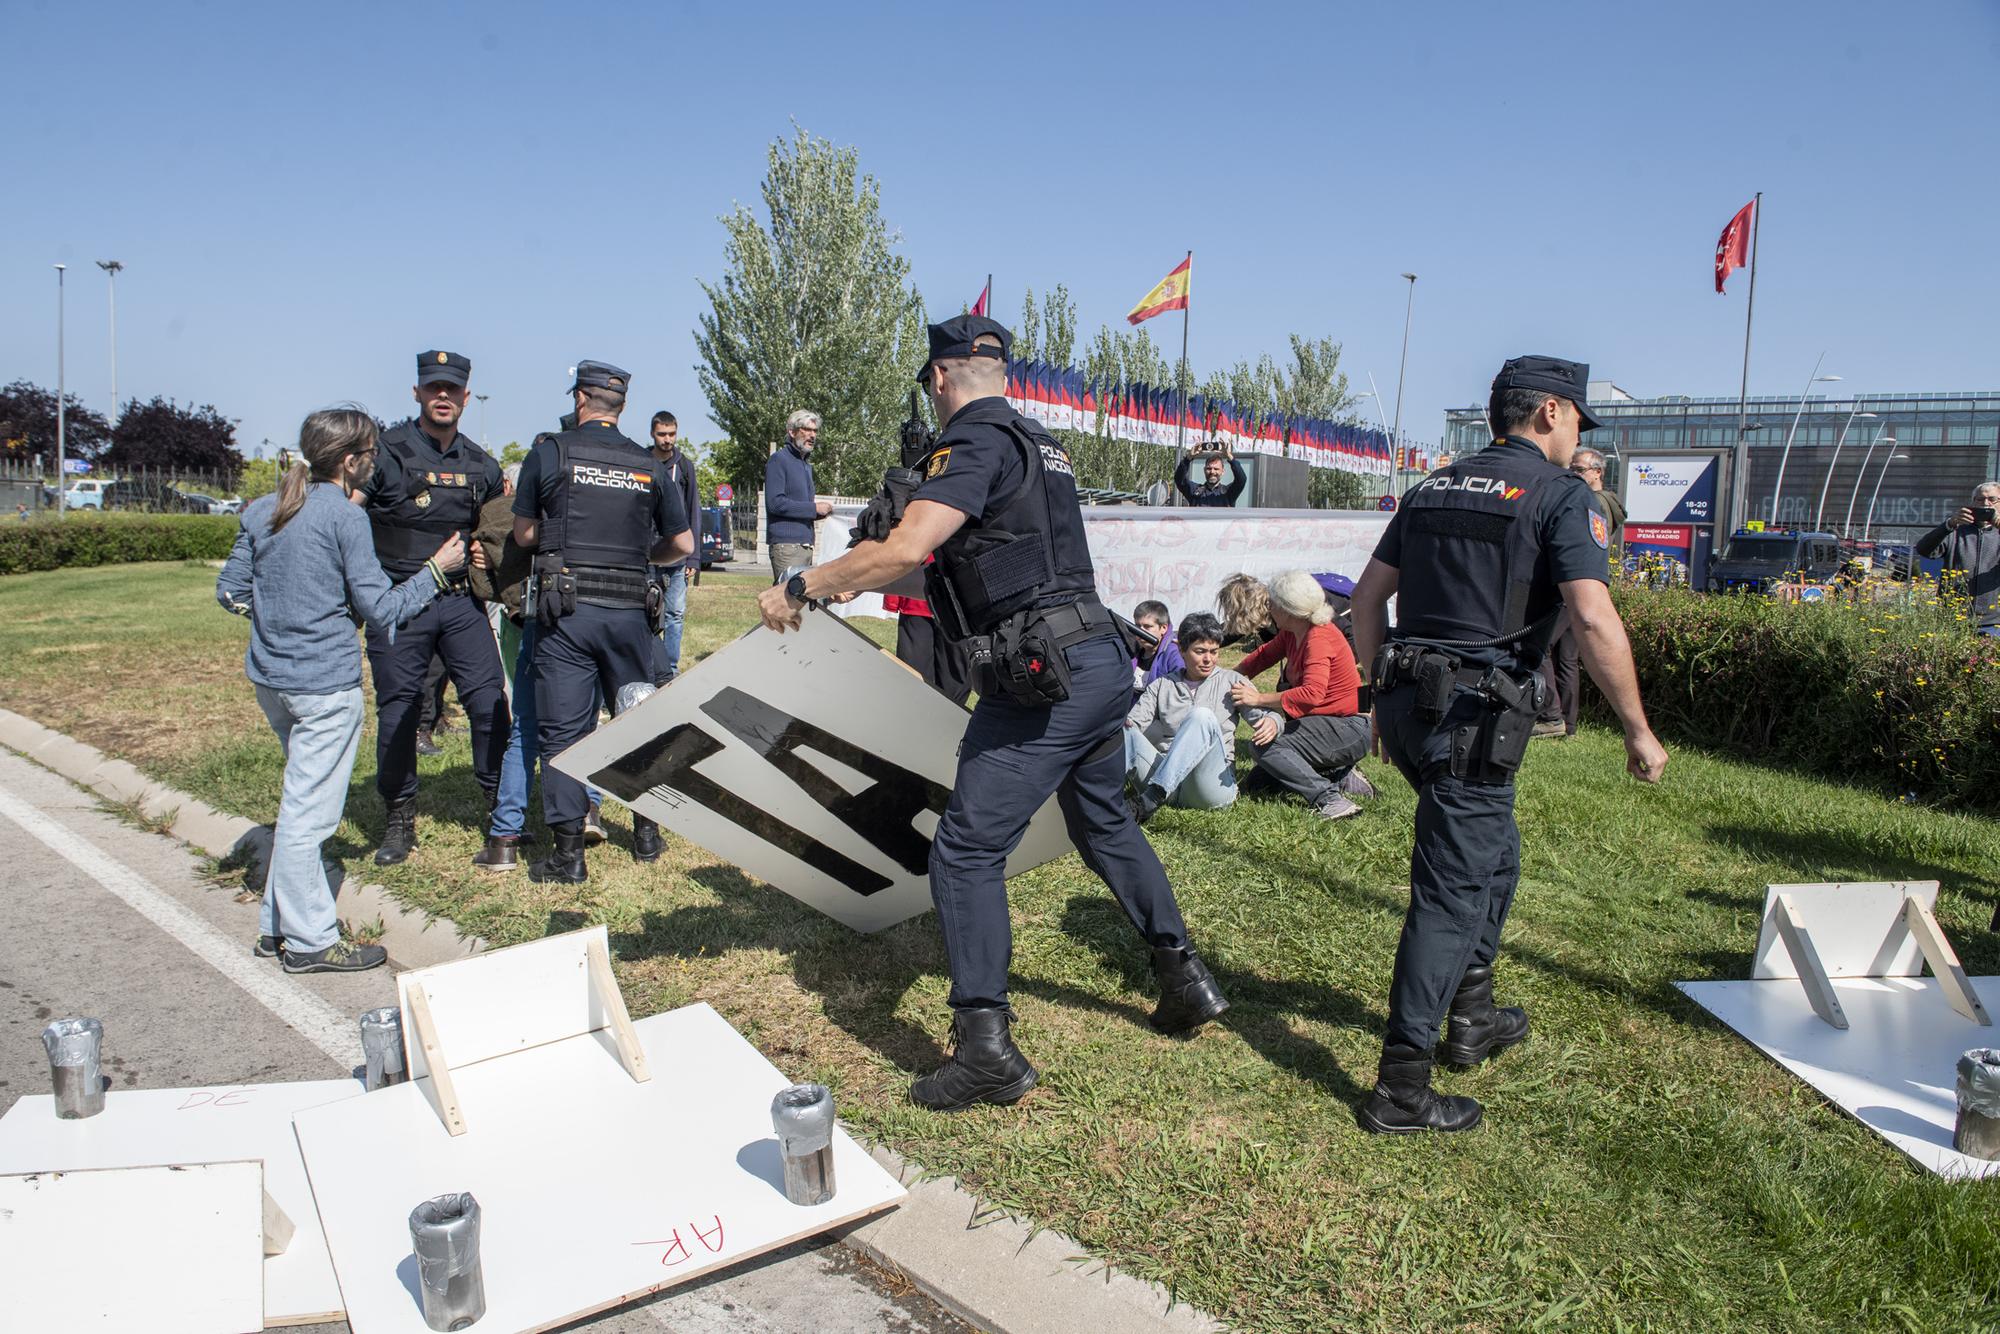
[{"x": 1899, "y": 693}]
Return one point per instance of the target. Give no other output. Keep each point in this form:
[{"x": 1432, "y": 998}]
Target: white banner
[{"x": 1181, "y": 556}]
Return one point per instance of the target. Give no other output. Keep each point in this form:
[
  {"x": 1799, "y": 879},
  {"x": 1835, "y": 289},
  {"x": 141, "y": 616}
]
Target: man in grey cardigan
[{"x": 789, "y": 508}]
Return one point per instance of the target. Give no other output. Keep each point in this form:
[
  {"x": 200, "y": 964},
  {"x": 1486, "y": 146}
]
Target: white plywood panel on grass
[
  {"x": 169, "y": 1249},
  {"x": 813, "y": 760},
  {"x": 593, "y": 1188},
  {"x": 139, "y": 1127},
  {"x": 1893, "y": 1069},
  {"x": 1856, "y": 928},
  {"x": 506, "y": 1000}
]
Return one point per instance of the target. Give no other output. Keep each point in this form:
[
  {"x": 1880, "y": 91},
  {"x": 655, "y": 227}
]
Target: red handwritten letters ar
[{"x": 676, "y": 1249}]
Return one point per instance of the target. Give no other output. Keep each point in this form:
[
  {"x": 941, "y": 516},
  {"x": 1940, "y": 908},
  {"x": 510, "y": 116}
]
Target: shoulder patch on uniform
[
  {"x": 1600, "y": 532},
  {"x": 937, "y": 463}
]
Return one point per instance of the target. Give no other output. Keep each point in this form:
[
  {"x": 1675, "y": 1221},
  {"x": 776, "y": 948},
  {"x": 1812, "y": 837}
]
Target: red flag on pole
[
  {"x": 979, "y": 306},
  {"x": 1732, "y": 251}
]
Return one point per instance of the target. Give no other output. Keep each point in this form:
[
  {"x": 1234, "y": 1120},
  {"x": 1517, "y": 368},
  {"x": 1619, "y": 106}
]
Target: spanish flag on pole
[{"x": 1171, "y": 293}]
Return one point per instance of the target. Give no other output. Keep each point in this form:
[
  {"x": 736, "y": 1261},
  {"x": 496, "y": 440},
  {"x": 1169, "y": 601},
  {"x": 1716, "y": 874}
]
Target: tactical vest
[
  {"x": 601, "y": 516},
  {"x": 435, "y": 503},
  {"x": 1472, "y": 548},
  {"x": 1031, "y": 553}
]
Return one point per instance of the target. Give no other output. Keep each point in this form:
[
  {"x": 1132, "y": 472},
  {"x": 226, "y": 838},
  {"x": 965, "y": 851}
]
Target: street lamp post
[
  {"x": 62, "y": 441},
  {"x": 1820, "y": 513},
  {"x": 1847, "y": 524},
  {"x": 112, "y": 268},
  {"x": 1396, "y": 435},
  {"x": 1396, "y": 481},
  {"x": 1778, "y": 491},
  {"x": 482, "y": 418},
  {"x": 1869, "y": 526}
]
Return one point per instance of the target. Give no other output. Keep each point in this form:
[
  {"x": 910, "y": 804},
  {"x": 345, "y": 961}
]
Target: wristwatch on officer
[{"x": 795, "y": 587}]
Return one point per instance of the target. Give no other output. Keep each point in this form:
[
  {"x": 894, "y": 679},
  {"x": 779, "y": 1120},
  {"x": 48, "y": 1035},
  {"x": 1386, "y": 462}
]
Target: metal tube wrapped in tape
[
  {"x": 1978, "y": 1130},
  {"x": 803, "y": 1117},
  {"x": 76, "y": 1050},
  {"x": 444, "y": 1232},
  {"x": 634, "y": 693},
  {"x": 382, "y": 1045}
]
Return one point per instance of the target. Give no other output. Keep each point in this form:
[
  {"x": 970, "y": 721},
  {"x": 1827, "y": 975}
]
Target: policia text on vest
[
  {"x": 1481, "y": 557},
  {"x": 998, "y": 505}
]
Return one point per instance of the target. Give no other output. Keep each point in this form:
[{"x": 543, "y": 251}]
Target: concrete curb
[
  {"x": 412, "y": 939},
  {"x": 991, "y": 1270}
]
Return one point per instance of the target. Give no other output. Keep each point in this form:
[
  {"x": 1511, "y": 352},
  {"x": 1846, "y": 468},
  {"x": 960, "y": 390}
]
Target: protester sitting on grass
[
  {"x": 1243, "y": 604},
  {"x": 1324, "y": 734},
  {"x": 1180, "y": 737},
  {"x": 304, "y": 571},
  {"x": 1164, "y": 658}
]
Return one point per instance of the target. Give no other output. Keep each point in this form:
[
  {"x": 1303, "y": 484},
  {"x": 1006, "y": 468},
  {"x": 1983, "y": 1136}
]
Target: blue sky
[{"x": 305, "y": 198}]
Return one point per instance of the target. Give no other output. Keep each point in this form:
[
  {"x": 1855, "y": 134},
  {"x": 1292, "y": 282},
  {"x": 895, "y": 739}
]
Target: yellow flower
[{"x": 1921, "y": 681}]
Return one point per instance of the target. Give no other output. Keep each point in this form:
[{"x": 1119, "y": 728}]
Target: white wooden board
[
  {"x": 813, "y": 760},
  {"x": 594, "y": 1189},
  {"x": 168, "y": 1249},
  {"x": 139, "y": 1127},
  {"x": 1857, "y": 929},
  {"x": 1894, "y": 1069},
  {"x": 504, "y": 1001}
]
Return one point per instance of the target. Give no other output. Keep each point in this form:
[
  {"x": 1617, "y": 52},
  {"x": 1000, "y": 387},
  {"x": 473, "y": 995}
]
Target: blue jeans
[
  {"x": 517, "y": 764},
  {"x": 1197, "y": 770},
  {"x": 675, "y": 582},
  {"x": 320, "y": 734}
]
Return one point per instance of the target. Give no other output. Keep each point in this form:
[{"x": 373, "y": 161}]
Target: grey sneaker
[
  {"x": 339, "y": 957},
  {"x": 1554, "y": 728},
  {"x": 1336, "y": 807},
  {"x": 268, "y": 947},
  {"x": 593, "y": 827},
  {"x": 1356, "y": 784}
]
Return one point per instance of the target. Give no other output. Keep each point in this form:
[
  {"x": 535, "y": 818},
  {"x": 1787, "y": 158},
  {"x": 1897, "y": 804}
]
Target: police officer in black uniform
[
  {"x": 998, "y": 504},
  {"x": 598, "y": 511},
  {"x": 1481, "y": 556},
  {"x": 429, "y": 482}
]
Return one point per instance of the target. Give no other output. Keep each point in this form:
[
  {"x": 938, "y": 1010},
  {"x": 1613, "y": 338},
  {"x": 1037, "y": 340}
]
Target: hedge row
[
  {"x": 1898, "y": 694},
  {"x": 76, "y": 540}
]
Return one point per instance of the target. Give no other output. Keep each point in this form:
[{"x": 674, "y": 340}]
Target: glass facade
[{"x": 1928, "y": 451}]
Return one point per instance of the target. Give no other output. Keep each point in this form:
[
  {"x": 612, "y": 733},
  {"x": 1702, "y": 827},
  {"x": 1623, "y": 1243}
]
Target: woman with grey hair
[
  {"x": 1323, "y": 734},
  {"x": 789, "y": 508}
]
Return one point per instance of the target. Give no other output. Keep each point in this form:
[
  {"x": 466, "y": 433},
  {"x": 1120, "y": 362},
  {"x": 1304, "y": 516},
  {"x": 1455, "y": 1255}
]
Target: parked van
[{"x": 87, "y": 494}]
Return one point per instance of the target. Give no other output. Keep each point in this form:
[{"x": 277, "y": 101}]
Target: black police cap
[
  {"x": 1551, "y": 375},
  {"x": 954, "y": 338},
  {"x": 447, "y": 366},
  {"x": 600, "y": 375}
]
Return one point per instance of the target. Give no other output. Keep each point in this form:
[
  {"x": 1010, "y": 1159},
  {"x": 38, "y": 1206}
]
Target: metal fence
[{"x": 147, "y": 490}]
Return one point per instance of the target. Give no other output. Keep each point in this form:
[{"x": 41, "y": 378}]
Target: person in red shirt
[{"x": 1324, "y": 734}]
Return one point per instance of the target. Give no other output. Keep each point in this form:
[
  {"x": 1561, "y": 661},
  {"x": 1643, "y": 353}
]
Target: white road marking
[{"x": 336, "y": 1034}]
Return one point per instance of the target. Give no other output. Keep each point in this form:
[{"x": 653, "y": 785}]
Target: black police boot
[
  {"x": 565, "y": 864},
  {"x": 1189, "y": 996},
  {"x": 400, "y": 834},
  {"x": 499, "y": 854},
  {"x": 646, "y": 843},
  {"x": 985, "y": 1065},
  {"x": 1404, "y": 1102},
  {"x": 1478, "y": 1029}
]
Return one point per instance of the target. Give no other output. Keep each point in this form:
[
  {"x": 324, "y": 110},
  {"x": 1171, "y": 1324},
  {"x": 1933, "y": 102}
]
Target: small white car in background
[{"x": 85, "y": 495}]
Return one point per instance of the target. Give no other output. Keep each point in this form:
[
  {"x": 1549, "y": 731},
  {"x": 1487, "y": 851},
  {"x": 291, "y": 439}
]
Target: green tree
[
  {"x": 1047, "y": 332},
  {"x": 815, "y": 311},
  {"x": 512, "y": 452},
  {"x": 258, "y": 478}
]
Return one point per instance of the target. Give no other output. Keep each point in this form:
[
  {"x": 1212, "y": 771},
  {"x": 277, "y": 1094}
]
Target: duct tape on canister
[
  {"x": 803, "y": 1117},
  {"x": 76, "y": 1051},
  {"x": 444, "y": 1232},
  {"x": 1978, "y": 1131},
  {"x": 634, "y": 693},
  {"x": 382, "y": 1045}
]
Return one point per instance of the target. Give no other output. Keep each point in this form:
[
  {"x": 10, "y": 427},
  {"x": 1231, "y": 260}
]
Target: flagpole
[
  {"x": 1739, "y": 489},
  {"x": 989, "y": 297},
  {"x": 1180, "y": 424}
]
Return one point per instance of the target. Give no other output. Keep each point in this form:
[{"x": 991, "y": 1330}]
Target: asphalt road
[{"x": 103, "y": 919}]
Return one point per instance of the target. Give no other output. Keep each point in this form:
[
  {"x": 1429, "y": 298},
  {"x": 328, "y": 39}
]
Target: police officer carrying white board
[
  {"x": 596, "y": 509},
  {"x": 429, "y": 482},
  {"x": 1480, "y": 556},
  {"x": 998, "y": 504}
]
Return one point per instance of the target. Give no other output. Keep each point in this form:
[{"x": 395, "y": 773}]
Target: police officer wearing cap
[
  {"x": 597, "y": 510},
  {"x": 998, "y": 505},
  {"x": 429, "y": 483},
  {"x": 1480, "y": 556}
]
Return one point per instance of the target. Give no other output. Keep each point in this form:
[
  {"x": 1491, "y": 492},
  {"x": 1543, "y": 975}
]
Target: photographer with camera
[
  {"x": 1212, "y": 490},
  {"x": 1970, "y": 546}
]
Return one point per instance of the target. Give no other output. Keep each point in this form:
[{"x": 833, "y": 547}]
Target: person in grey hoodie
[
  {"x": 304, "y": 572},
  {"x": 1180, "y": 737}
]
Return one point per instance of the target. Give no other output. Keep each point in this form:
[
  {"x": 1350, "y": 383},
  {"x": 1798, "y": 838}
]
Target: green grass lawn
[{"x": 1639, "y": 1165}]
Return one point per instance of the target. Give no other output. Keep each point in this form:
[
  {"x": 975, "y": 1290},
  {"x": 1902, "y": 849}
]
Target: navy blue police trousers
[
  {"x": 1464, "y": 866},
  {"x": 1012, "y": 759},
  {"x": 584, "y": 660},
  {"x": 454, "y": 627}
]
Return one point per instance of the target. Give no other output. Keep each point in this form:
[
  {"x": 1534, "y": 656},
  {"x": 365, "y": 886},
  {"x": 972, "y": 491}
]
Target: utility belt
[
  {"x": 1489, "y": 749},
  {"x": 556, "y": 588},
  {"x": 1023, "y": 659}
]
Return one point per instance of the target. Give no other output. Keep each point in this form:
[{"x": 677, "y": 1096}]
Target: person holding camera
[
  {"x": 1970, "y": 546},
  {"x": 1211, "y": 490},
  {"x": 998, "y": 505}
]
